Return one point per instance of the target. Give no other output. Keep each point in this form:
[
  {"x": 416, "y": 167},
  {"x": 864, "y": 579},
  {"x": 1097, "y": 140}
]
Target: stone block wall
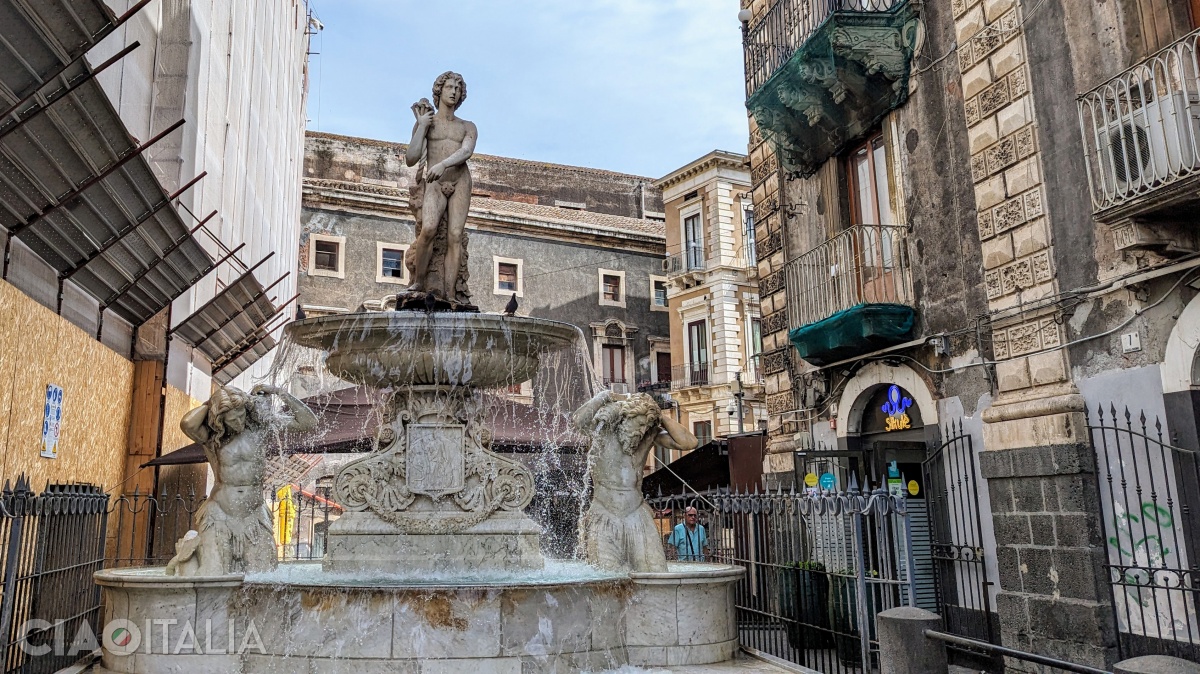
[{"x": 1053, "y": 597}]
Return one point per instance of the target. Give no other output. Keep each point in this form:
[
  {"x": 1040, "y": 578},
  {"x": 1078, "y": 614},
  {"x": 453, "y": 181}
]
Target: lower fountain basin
[
  {"x": 568, "y": 617},
  {"x": 400, "y": 348}
]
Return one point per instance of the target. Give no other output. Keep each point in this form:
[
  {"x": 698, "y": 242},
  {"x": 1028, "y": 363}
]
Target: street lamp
[{"x": 737, "y": 408}]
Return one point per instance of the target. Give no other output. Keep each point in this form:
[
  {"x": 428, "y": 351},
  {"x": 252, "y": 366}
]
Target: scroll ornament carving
[{"x": 386, "y": 482}]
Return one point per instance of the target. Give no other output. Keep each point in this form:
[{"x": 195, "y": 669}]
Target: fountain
[{"x": 434, "y": 566}]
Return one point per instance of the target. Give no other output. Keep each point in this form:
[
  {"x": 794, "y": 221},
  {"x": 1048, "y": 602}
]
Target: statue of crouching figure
[
  {"x": 234, "y": 532},
  {"x": 618, "y": 528}
]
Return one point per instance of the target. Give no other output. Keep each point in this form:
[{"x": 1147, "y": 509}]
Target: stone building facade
[
  {"x": 989, "y": 205},
  {"x": 710, "y": 287},
  {"x": 574, "y": 244}
]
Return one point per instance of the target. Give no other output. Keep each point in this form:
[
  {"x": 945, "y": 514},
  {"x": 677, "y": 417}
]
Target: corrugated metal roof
[
  {"x": 231, "y": 329},
  {"x": 74, "y": 185}
]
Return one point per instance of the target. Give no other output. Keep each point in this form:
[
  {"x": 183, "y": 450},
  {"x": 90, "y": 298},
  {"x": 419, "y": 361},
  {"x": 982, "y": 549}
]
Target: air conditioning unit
[
  {"x": 1153, "y": 142},
  {"x": 619, "y": 387},
  {"x": 667, "y": 264}
]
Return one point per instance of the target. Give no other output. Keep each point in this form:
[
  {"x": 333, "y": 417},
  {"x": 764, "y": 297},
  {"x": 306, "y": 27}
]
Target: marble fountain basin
[
  {"x": 403, "y": 348},
  {"x": 567, "y": 618}
]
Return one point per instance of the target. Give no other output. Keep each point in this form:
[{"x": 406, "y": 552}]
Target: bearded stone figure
[
  {"x": 618, "y": 528},
  {"x": 234, "y": 532}
]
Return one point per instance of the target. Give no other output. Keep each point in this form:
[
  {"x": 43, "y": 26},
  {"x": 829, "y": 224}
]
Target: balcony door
[
  {"x": 698, "y": 353},
  {"x": 613, "y": 362},
  {"x": 874, "y": 245},
  {"x": 693, "y": 242}
]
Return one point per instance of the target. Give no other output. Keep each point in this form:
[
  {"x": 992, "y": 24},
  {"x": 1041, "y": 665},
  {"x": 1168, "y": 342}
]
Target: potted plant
[
  {"x": 804, "y": 600},
  {"x": 843, "y": 610}
]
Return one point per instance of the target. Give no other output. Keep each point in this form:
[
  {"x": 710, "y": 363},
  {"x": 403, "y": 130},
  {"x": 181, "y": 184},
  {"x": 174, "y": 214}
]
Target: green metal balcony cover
[
  {"x": 862, "y": 328},
  {"x": 837, "y": 86}
]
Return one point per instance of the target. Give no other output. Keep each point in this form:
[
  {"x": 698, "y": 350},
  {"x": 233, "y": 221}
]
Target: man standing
[
  {"x": 444, "y": 143},
  {"x": 689, "y": 538}
]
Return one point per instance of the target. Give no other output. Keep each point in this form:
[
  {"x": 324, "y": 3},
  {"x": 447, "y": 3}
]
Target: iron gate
[
  {"x": 818, "y": 567},
  {"x": 1150, "y": 495},
  {"x": 52, "y": 543},
  {"x": 960, "y": 561}
]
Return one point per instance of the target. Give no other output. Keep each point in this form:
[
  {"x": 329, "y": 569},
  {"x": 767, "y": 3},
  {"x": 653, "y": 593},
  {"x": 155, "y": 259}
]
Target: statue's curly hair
[
  {"x": 225, "y": 400},
  {"x": 441, "y": 82},
  {"x": 630, "y": 419}
]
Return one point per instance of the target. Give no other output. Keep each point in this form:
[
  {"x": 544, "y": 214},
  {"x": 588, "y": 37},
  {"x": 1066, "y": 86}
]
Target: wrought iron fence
[
  {"x": 959, "y": 554},
  {"x": 1150, "y": 492},
  {"x": 819, "y": 567},
  {"x": 1141, "y": 129},
  {"x": 863, "y": 264},
  {"x": 145, "y": 527},
  {"x": 770, "y": 41},
  {"x": 52, "y": 543}
]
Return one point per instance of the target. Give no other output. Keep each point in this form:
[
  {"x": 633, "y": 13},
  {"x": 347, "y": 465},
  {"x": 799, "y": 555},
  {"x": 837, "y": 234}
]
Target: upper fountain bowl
[{"x": 401, "y": 348}]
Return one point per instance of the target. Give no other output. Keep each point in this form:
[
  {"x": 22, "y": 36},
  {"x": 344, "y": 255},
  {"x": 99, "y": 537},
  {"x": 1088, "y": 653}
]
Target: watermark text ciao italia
[{"x": 154, "y": 636}]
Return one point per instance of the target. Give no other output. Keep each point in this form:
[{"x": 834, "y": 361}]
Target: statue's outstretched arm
[
  {"x": 193, "y": 424},
  {"x": 584, "y": 417},
  {"x": 676, "y": 436},
  {"x": 462, "y": 154},
  {"x": 303, "y": 418}
]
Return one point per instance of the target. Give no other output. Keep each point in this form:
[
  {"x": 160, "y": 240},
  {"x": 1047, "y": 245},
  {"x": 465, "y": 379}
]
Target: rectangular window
[
  {"x": 693, "y": 242},
  {"x": 612, "y": 288},
  {"x": 660, "y": 293},
  {"x": 751, "y": 248},
  {"x": 869, "y": 191},
  {"x": 613, "y": 362},
  {"x": 392, "y": 263},
  {"x": 703, "y": 432},
  {"x": 327, "y": 253},
  {"x": 698, "y": 353},
  {"x": 506, "y": 276}
]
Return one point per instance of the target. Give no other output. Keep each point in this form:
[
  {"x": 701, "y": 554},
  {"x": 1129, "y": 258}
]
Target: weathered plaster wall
[
  {"x": 38, "y": 348},
  {"x": 561, "y": 279},
  {"x": 376, "y": 162}
]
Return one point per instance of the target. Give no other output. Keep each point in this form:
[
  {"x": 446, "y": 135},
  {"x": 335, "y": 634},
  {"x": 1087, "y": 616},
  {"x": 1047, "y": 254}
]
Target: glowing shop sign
[{"x": 895, "y": 408}]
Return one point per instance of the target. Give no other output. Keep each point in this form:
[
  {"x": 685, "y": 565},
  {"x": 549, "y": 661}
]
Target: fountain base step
[
  {"x": 297, "y": 619},
  {"x": 361, "y": 542}
]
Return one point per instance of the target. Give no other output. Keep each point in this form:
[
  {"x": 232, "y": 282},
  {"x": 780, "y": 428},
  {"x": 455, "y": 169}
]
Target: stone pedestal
[
  {"x": 362, "y": 542},
  {"x": 561, "y": 625}
]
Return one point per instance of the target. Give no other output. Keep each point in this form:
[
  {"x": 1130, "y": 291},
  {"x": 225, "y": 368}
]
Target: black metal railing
[
  {"x": 1149, "y": 492},
  {"x": 770, "y": 41},
  {"x": 819, "y": 567},
  {"x": 146, "y": 526},
  {"x": 52, "y": 542},
  {"x": 694, "y": 374},
  {"x": 959, "y": 556}
]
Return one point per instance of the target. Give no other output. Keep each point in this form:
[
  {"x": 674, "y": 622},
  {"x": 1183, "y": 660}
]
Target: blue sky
[{"x": 639, "y": 86}]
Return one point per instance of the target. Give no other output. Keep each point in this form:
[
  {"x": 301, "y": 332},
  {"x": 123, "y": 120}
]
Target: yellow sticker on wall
[
  {"x": 810, "y": 479},
  {"x": 913, "y": 487}
]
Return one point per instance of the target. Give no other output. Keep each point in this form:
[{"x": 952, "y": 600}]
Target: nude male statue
[
  {"x": 618, "y": 526},
  {"x": 234, "y": 526},
  {"x": 445, "y": 142}
]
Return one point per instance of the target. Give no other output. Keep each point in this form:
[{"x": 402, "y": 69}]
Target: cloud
[{"x": 642, "y": 87}]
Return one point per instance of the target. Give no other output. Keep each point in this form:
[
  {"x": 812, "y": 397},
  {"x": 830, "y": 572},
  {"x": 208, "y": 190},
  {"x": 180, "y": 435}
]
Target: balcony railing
[
  {"x": 1141, "y": 129},
  {"x": 683, "y": 376},
  {"x": 866, "y": 264},
  {"x": 690, "y": 259},
  {"x": 694, "y": 260},
  {"x": 771, "y": 41}
]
